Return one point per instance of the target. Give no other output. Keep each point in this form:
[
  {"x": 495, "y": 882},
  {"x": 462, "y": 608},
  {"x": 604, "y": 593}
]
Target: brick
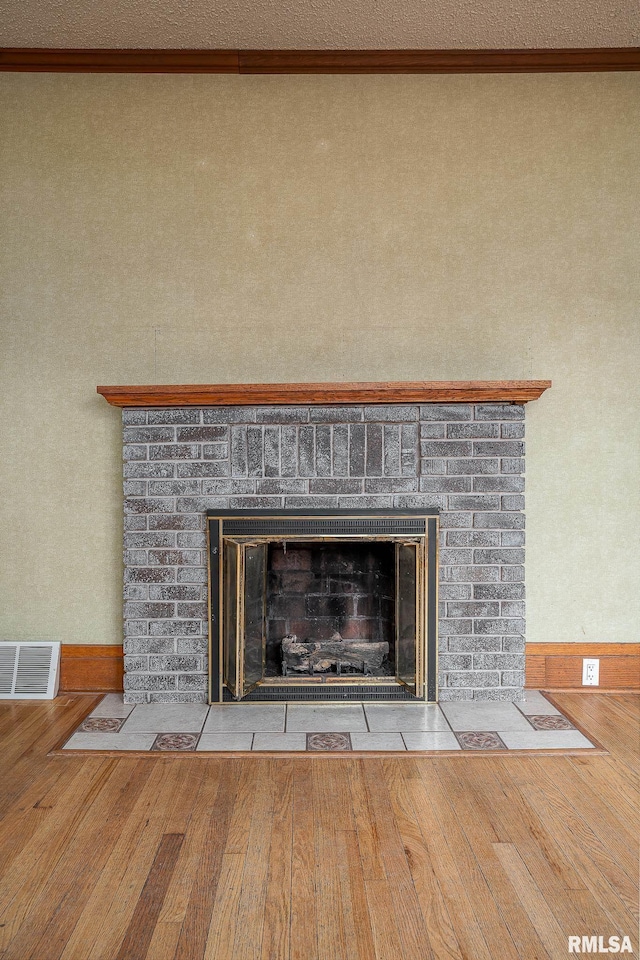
[
  {"x": 149, "y": 681},
  {"x": 323, "y": 450},
  {"x": 150, "y": 470},
  {"x": 445, "y": 695},
  {"x": 176, "y": 522},
  {"x": 513, "y": 502},
  {"x": 474, "y": 430},
  {"x": 135, "y": 662},
  {"x": 135, "y": 522},
  {"x": 512, "y": 608},
  {"x": 455, "y": 591},
  {"x": 446, "y": 411},
  {"x": 473, "y": 609},
  {"x": 183, "y": 558},
  {"x": 514, "y": 644},
  {"x": 134, "y": 451},
  {"x": 512, "y": 431},
  {"x": 201, "y": 434},
  {"x": 197, "y": 645},
  {"x": 156, "y": 538},
  {"x": 512, "y": 465},
  {"x": 318, "y": 502},
  {"x": 499, "y": 484},
  {"x": 135, "y": 557},
  {"x": 499, "y": 555},
  {"x": 391, "y": 485},
  {"x": 213, "y": 468},
  {"x": 136, "y": 628},
  {"x": 255, "y": 503},
  {"x": 200, "y": 504},
  {"x": 191, "y": 541},
  {"x": 515, "y": 677},
  {"x": 512, "y": 538},
  {"x": 149, "y": 645},
  {"x": 445, "y": 448},
  {"x": 193, "y": 681},
  {"x": 469, "y": 574},
  {"x": 282, "y": 415},
  {"x": 455, "y": 661},
  {"x": 420, "y": 500},
  {"x": 498, "y": 448},
  {"x": 133, "y": 417},
  {"x": 341, "y": 450},
  {"x": 454, "y": 627},
  {"x": 215, "y": 451},
  {"x": 216, "y": 488},
  {"x": 289, "y": 451},
  {"x": 149, "y": 575},
  {"x": 135, "y": 591},
  {"x": 149, "y": 434},
  {"x": 229, "y": 415},
  {"x": 134, "y": 488},
  {"x": 497, "y": 661},
  {"x": 272, "y": 451},
  {"x": 392, "y": 413},
  {"x": 474, "y": 502},
  {"x": 499, "y": 411},
  {"x": 499, "y": 693},
  {"x": 501, "y": 521},
  {"x": 452, "y": 521},
  {"x": 472, "y": 678},
  {"x": 473, "y": 644},
  {"x": 342, "y": 415},
  {"x": 445, "y": 484},
  {"x": 175, "y": 415},
  {"x": 357, "y": 450},
  {"x": 433, "y": 467},
  {"x": 472, "y": 538},
  {"x": 409, "y": 449},
  {"x": 279, "y": 486},
  {"x": 433, "y": 431},
  {"x": 172, "y": 697},
  {"x": 255, "y": 452},
  {"x": 472, "y": 467},
  {"x": 192, "y": 609},
  {"x": 192, "y": 575},
  {"x": 174, "y": 451},
  {"x": 177, "y": 592},
  {"x": 498, "y": 591},
  {"x": 500, "y": 625},
  {"x": 374, "y": 450},
  {"x": 366, "y": 503},
  {"x": 175, "y": 663},
  {"x": 174, "y": 488},
  {"x": 512, "y": 573},
  {"x": 392, "y": 462},
  {"x": 148, "y": 611},
  {"x": 306, "y": 451},
  {"x": 449, "y": 557},
  {"x": 335, "y": 486},
  {"x": 172, "y": 628},
  {"x": 239, "y": 451}
]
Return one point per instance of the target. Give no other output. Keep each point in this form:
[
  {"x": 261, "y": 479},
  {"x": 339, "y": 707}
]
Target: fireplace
[{"x": 322, "y": 605}]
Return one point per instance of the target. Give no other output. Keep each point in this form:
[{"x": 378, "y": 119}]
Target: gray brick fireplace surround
[{"x": 465, "y": 459}]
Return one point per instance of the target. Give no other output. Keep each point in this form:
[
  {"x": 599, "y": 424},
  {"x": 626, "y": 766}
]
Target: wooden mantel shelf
[{"x": 246, "y": 394}]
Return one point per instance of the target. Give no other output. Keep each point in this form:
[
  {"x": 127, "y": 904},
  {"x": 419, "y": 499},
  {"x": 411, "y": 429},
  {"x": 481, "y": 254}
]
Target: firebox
[{"x": 322, "y": 605}]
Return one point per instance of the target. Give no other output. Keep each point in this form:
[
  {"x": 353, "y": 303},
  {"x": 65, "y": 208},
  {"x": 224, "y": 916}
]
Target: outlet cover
[{"x": 590, "y": 673}]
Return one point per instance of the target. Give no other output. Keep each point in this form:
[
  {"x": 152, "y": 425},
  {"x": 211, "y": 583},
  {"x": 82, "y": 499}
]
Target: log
[{"x": 320, "y": 656}]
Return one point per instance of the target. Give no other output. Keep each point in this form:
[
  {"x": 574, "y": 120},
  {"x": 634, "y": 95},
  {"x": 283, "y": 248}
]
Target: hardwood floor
[{"x": 486, "y": 858}]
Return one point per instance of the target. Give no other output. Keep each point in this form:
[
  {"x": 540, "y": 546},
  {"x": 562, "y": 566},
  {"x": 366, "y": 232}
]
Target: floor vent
[
  {"x": 326, "y": 692},
  {"x": 29, "y": 671}
]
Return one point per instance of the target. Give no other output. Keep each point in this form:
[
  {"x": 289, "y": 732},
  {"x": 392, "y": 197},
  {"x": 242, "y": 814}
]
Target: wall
[{"x": 220, "y": 229}]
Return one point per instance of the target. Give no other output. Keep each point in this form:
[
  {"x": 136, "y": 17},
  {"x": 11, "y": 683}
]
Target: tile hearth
[{"x": 532, "y": 724}]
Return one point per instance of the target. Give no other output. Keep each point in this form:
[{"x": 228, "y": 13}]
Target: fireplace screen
[{"x": 327, "y": 605}]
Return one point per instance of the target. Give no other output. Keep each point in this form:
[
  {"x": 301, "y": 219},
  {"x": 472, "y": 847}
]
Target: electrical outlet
[{"x": 590, "y": 673}]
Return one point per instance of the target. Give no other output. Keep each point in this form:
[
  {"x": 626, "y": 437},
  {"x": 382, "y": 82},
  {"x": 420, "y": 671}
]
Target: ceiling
[{"x": 320, "y": 24}]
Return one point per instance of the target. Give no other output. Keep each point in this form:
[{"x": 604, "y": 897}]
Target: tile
[
  {"x": 279, "y": 741},
  {"x": 545, "y": 722},
  {"x": 325, "y": 717},
  {"x": 175, "y": 741},
  {"x": 110, "y": 741},
  {"x": 482, "y": 715},
  {"x": 438, "y": 740},
  {"x": 480, "y": 740},
  {"x": 112, "y": 705},
  {"x": 535, "y": 702},
  {"x": 545, "y": 740},
  {"x": 405, "y": 716},
  {"x": 377, "y": 741},
  {"x": 225, "y": 741},
  {"x": 100, "y": 725},
  {"x": 328, "y": 741},
  {"x": 245, "y": 718},
  {"x": 166, "y": 718}
]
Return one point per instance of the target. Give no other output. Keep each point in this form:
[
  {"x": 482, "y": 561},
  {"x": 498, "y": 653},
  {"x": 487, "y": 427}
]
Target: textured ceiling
[{"x": 329, "y": 24}]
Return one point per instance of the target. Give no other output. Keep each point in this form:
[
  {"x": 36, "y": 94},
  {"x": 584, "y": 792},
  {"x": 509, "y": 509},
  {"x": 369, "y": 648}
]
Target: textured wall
[{"x": 205, "y": 229}]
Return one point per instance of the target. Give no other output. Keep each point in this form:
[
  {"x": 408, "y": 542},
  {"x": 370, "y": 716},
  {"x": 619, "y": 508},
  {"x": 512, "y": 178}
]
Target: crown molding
[{"x": 544, "y": 60}]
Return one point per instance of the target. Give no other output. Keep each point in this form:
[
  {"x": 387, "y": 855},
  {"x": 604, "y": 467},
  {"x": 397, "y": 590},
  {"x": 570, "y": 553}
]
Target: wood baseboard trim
[
  {"x": 89, "y": 668},
  {"x": 526, "y": 60},
  {"x": 558, "y": 666}
]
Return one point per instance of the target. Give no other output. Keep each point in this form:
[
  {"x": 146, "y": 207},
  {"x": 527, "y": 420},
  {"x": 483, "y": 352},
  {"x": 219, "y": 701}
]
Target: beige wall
[{"x": 224, "y": 229}]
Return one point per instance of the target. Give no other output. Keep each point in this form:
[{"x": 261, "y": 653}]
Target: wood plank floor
[{"x": 160, "y": 858}]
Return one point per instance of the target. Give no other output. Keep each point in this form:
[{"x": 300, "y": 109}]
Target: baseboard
[
  {"x": 91, "y": 668},
  {"x": 558, "y": 666}
]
